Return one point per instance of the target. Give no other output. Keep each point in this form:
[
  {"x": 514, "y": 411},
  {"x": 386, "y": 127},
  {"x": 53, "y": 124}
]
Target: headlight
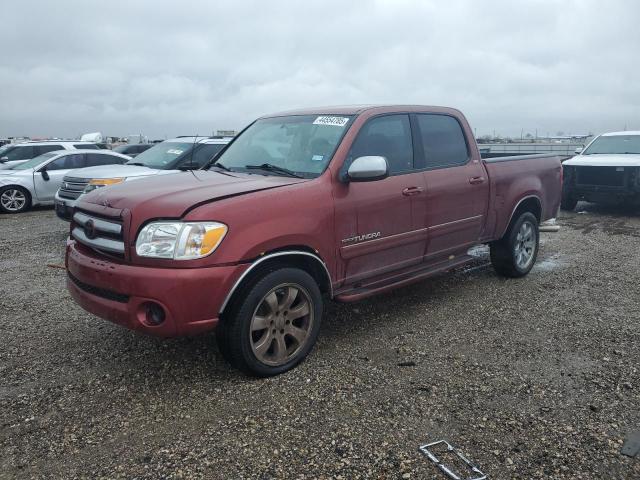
[
  {"x": 101, "y": 182},
  {"x": 179, "y": 240}
]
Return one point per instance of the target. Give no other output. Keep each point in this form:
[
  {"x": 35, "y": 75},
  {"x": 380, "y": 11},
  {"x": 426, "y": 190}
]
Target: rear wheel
[
  {"x": 515, "y": 253},
  {"x": 14, "y": 199},
  {"x": 273, "y": 324}
]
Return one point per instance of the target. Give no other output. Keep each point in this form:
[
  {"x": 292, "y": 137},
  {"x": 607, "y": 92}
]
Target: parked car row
[{"x": 250, "y": 235}]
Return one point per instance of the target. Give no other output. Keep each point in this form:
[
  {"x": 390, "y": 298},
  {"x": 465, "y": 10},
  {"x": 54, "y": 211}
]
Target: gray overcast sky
[{"x": 72, "y": 67}]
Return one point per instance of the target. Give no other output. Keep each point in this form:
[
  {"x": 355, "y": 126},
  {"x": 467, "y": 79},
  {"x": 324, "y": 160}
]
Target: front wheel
[
  {"x": 273, "y": 323},
  {"x": 515, "y": 254},
  {"x": 14, "y": 199}
]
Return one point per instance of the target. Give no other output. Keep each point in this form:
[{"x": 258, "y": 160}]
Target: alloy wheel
[
  {"x": 13, "y": 200},
  {"x": 281, "y": 324},
  {"x": 525, "y": 245}
]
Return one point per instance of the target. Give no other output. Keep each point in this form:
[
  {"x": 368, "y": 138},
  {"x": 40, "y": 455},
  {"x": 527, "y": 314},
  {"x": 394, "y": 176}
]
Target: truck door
[
  {"x": 457, "y": 188},
  {"x": 56, "y": 170},
  {"x": 380, "y": 224}
]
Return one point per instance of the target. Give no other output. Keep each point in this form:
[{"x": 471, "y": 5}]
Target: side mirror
[
  {"x": 45, "y": 175},
  {"x": 368, "y": 169},
  {"x": 4, "y": 159},
  {"x": 578, "y": 150}
]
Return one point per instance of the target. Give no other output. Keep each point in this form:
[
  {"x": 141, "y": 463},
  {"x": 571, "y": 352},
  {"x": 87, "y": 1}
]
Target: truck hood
[
  {"x": 171, "y": 196},
  {"x": 628, "y": 160},
  {"x": 116, "y": 171}
]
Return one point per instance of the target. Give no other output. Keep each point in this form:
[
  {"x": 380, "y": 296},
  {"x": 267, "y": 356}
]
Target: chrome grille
[
  {"x": 97, "y": 233},
  {"x": 72, "y": 187}
]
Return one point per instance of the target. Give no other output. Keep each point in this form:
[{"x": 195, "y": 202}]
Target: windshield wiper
[
  {"x": 219, "y": 165},
  {"x": 270, "y": 167},
  {"x": 138, "y": 164}
]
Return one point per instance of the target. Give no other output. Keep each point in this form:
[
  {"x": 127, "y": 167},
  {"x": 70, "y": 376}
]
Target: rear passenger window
[
  {"x": 49, "y": 148},
  {"x": 67, "y": 162},
  {"x": 442, "y": 140},
  {"x": 86, "y": 146},
  {"x": 98, "y": 159},
  {"x": 389, "y": 137}
]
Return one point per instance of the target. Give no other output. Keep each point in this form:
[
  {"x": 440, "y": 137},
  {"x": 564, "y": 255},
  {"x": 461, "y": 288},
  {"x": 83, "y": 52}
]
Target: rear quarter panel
[{"x": 512, "y": 181}]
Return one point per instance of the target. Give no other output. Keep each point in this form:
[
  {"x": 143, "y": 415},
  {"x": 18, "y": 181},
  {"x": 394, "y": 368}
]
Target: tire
[
  {"x": 14, "y": 199},
  {"x": 568, "y": 202},
  {"x": 513, "y": 255},
  {"x": 261, "y": 335}
]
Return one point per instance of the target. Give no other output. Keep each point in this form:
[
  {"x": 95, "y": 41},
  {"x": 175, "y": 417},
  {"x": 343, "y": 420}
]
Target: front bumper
[
  {"x": 64, "y": 207},
  {"x": 191, "y": 298}
]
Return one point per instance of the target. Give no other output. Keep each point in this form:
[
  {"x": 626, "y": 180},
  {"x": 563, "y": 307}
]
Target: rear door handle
[
  {"x": 476, "y": 180},
  {"x": 407, "y": 192}
]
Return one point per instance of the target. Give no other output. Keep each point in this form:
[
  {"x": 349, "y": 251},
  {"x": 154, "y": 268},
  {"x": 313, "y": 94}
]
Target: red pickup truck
[{"x": 337, "y": 203}]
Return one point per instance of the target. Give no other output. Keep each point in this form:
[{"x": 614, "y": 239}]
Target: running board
[{"x": 364, "y": 290}]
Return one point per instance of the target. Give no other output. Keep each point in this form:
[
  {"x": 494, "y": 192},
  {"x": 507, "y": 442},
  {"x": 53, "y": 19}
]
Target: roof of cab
[{"x": 358, "y": 109}]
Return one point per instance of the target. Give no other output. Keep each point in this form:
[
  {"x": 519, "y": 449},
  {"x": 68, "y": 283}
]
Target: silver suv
[{"x": 170, "y": 156}]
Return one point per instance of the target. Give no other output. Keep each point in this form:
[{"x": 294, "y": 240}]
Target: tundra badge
[{"x": 361, "y": 238}]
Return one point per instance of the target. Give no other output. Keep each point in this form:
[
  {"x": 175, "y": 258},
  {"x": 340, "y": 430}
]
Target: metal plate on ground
[
  {"x": 631, "y": 446},
  {"x": 449, "y": 471}
]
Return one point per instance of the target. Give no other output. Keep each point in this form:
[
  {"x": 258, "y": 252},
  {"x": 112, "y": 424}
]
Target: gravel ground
[{"x": 530, "y": 378}]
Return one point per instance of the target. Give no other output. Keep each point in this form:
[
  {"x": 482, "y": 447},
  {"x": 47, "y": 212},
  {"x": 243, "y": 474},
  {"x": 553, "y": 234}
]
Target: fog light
[{"x": 154, "y": 314}]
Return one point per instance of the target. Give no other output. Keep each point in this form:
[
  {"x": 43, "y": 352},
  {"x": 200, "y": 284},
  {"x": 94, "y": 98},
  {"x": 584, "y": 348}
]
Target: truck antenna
[{"x": 195, "y": 139}]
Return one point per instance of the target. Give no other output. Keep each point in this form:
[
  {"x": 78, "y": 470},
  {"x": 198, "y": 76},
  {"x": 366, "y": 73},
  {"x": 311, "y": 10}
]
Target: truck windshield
[
  {"x": 298, "y": 145},
  {"x": 614, "y": 144}
]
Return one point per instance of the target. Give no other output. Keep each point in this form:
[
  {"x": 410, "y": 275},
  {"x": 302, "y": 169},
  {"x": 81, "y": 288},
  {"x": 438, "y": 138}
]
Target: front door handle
[
  {"x": 407, "y": 192},
  {"x": 476, "y": 180}
]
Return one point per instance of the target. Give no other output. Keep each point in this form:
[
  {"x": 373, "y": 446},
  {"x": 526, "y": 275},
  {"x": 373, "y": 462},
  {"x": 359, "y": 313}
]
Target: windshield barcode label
[{"x": 332, "y": 121}]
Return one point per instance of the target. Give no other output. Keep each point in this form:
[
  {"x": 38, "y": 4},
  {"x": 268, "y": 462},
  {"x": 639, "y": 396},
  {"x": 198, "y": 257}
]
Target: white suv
[
  {"x": 15, "y": 154},
  {"x": 170, "y": 156}
]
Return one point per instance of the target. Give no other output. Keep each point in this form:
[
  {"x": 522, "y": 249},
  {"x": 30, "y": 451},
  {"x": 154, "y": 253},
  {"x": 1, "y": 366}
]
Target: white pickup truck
[
  {"x": 170, "y": 156},
  {"x": 606, "y": 171}
]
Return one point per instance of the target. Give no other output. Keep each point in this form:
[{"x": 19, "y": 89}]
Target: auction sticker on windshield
[
  {"x": 332, "y": 121},
  {"x": 175, "y": 151}
]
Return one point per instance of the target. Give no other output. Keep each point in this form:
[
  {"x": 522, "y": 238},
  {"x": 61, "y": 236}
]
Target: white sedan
[{"x": 36, "y": 181}]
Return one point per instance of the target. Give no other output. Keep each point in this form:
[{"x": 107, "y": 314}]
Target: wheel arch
[
  {"x": 297, "y": 256},
  {"x": 530, "y": 203}
]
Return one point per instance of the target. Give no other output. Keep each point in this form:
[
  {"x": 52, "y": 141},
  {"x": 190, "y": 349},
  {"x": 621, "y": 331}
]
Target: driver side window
[{"x": 388, "y": 136}]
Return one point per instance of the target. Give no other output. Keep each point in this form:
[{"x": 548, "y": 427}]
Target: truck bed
[{"x": 517, "y": 178}]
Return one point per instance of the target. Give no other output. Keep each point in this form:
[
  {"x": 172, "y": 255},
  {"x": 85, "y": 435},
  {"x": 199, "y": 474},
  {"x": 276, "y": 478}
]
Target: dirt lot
[{"x": 531, "y": 378}]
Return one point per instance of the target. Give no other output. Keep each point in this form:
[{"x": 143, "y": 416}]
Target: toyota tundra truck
[{"x": 303, "y": 207}]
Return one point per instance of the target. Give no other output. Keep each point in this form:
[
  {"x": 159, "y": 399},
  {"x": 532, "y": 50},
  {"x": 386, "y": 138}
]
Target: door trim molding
[{"x": 382, "y": 243}]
